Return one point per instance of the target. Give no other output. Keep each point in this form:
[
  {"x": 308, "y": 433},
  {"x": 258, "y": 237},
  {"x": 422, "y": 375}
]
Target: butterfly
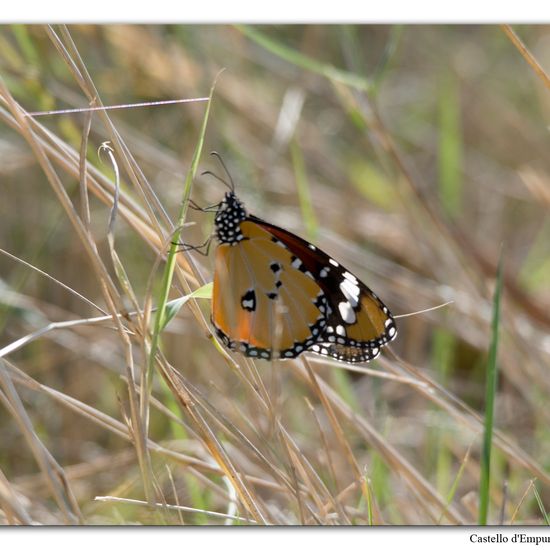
[{"x": 276, "y": 295}]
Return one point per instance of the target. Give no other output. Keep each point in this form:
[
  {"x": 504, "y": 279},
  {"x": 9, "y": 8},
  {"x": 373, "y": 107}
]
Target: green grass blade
[
  {"x": 160, "y": 317},
  {"x": 443, "y": 354},
  {"x": 388, "y": 56},
  {"x": 450, "y": 147},
  {"x": 541, "y": 505},
  {"x": 305, "y": 62},
  {"x": 21, "y": 34},
  {"x": 304, "y": 194},
  {"x": 454, "y": 486},
  {"x": 171, "y": 260},
  {"x": 490, "y": 392},
  {"x": 173, "y": 306}
]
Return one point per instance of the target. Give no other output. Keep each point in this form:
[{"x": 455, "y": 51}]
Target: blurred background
[{"x": 414, "y": 155}]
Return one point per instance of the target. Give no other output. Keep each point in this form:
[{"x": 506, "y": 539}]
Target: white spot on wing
[
  {"x": 340, "y": 330},
  {"x": 333, "y": 262},
  {"x": 350, "y": 291},
  {"x": 346, "y": 312},
  {"x": 350, "y": 277}
]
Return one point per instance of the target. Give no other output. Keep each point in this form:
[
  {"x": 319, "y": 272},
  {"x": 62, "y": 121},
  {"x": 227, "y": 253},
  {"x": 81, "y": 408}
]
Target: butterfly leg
[
  {"x": 211, "y": 208},
  {"x": 197, "y": 248}
]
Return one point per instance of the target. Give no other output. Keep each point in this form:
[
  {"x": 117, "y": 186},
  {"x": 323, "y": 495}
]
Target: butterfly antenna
[
  {"x": 209, "y": 173},
  {"x": 219, "y": 157}
]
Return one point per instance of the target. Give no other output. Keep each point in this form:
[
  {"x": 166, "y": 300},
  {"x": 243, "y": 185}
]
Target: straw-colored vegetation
[{"x": 414, "y": 155}]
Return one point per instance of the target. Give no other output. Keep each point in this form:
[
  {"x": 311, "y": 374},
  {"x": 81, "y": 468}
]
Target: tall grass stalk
[
  {"x": 490, "y": 394},
  {"x": 160, "y": 316}
]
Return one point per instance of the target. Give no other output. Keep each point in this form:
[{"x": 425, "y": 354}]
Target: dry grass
[{"x": 411, "y": 164}]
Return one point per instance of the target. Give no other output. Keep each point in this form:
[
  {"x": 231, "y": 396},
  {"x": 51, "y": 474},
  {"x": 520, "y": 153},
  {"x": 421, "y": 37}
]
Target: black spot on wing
[{"x": 248, "y": 300}]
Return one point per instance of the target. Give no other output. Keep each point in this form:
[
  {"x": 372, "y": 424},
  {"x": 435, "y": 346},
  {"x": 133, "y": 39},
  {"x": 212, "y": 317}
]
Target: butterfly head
[{"x": 228, "y": 218}]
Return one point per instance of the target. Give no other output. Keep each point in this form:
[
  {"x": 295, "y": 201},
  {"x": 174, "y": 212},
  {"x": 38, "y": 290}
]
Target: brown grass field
[{"x": 416, "y": 156}]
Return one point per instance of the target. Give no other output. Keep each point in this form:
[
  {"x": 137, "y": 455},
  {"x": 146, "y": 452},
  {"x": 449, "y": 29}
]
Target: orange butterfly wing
[
  {"x": 359, "y": 323},
  {"x": 261, "y": 304},
  {"x": 276, "y": 295}
]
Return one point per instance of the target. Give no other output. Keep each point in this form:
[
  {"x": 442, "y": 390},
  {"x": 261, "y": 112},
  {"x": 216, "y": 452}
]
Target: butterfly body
[{"x": 276, "y": 296}]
